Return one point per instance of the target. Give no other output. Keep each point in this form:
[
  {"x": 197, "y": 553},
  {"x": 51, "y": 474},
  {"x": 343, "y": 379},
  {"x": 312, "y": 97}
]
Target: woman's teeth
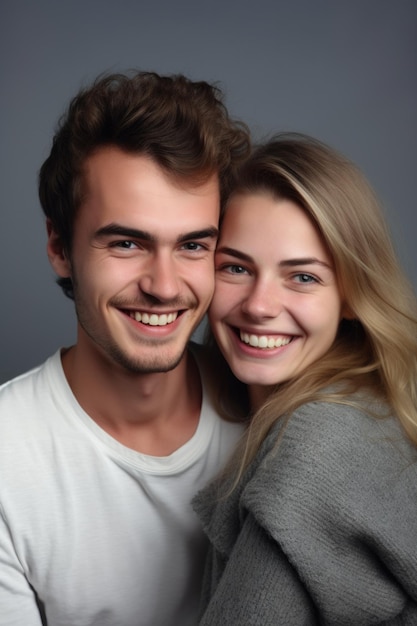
[{"x": 263, "y": 341}]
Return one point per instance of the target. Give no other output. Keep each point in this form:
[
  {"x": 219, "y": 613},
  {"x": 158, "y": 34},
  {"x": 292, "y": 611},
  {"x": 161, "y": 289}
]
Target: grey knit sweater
[{"x": 323, "y": 531}]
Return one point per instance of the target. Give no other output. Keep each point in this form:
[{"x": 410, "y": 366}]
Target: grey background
[{"x": 342, "y": 70}]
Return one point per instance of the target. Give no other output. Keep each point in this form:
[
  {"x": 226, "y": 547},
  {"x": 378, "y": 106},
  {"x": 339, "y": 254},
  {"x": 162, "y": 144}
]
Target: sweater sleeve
[
  {"x": 339, "y": 499},
  {"x": 258, "y": 587},
  {"x": 18, "y": 606}
]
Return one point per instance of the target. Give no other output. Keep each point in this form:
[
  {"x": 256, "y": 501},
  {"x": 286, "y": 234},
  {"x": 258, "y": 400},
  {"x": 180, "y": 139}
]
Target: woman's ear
[
  {"x": 347, "y": 313},
  {"x": 56, "y": 253}
]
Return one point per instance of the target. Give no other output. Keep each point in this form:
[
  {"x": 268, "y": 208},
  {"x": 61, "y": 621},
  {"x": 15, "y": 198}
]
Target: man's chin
[{"x": 157, "y": 364}]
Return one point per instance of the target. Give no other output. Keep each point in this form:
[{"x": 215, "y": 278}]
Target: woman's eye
[{"x": 305, "y": 279}]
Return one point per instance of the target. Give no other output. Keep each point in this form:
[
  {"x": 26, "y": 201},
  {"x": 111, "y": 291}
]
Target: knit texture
[{"x": 321, "y": 530}]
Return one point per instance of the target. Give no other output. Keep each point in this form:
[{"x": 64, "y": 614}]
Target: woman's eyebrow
[
  {"x": 304, "y": 261},
  {"x": 238, "y": 254}
]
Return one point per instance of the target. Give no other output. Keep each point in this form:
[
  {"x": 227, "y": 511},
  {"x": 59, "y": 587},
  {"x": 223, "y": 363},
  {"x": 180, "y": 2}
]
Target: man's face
[{"x": 141, "y": 261}]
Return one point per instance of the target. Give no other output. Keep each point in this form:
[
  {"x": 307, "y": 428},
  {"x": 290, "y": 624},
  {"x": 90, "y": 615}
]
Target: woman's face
[{"x": 276, "y": 306}]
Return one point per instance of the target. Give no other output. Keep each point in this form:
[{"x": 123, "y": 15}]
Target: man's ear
[{"x": 56, "y": 253}]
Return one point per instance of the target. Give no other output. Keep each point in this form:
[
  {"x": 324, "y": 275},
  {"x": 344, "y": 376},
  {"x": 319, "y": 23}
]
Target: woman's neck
[{"x": 258, "y": 394}]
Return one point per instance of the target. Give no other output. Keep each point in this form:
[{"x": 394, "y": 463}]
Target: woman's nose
[{"x": 265, "y": 300}]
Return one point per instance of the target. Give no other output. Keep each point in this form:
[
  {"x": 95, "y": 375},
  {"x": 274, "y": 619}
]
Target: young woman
[{"x": 316, "y": 520}]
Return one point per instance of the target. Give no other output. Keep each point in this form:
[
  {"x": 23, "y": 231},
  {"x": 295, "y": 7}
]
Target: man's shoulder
[
  {"x": 26, "y": 377},
  {"x": 28, "y": 390}
]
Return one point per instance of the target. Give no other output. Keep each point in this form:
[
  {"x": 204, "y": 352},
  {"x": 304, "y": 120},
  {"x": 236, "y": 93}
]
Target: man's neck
[{"x": 152, "y": 413}]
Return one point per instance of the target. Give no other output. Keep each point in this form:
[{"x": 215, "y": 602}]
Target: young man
[{"x": 104, "y": 445}]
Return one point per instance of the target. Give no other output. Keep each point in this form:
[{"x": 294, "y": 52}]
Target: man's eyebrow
[
  {"x": 119, "y": 230},
  {"x": 204, "y": 233},
  {"x": 123, "y": 231}
]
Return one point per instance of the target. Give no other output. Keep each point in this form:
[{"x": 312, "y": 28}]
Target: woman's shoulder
[
  {"x": 338, "y": 493},
  {"x": 329, "y": 452},
  {"x": 338, "y": 427}
]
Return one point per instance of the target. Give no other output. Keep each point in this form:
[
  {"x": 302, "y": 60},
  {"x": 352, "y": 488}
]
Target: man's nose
[{"x": 160, "y": 277}]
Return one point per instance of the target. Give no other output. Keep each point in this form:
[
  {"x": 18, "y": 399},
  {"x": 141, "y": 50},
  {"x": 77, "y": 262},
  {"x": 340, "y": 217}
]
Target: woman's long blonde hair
[{"x": 377, "y": 348}]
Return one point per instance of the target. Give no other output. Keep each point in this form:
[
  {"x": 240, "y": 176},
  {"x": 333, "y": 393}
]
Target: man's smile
[{"x": 153, "y": 319}]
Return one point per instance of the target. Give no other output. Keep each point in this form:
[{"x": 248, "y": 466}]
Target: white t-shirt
[{"x": 93, "y": 533}]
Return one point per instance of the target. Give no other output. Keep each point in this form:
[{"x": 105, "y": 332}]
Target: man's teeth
[
  {"x": 262, "y": 341},
  {"x": 153, "y": 319}
]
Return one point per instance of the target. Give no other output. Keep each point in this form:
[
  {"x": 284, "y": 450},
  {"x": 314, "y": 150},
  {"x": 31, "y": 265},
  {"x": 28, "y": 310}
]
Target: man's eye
[
  {"x": 126, "y": 244},
  {"x": 192, "y": 246}
]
